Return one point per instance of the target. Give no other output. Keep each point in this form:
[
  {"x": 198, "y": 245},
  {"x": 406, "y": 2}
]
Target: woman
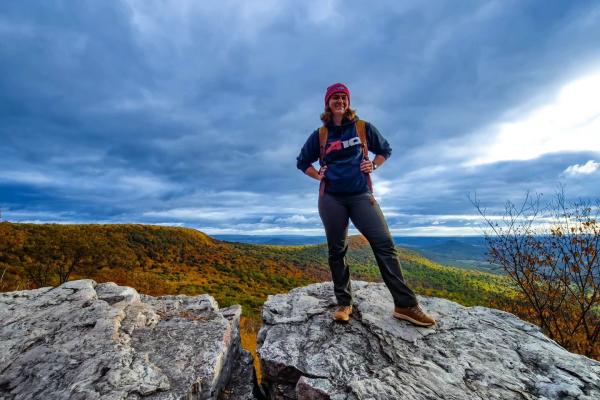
[{"x": 345, "y": 195}]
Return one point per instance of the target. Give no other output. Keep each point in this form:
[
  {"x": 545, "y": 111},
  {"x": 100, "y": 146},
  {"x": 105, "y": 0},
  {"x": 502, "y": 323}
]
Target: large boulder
[
  {"x": 472, "y": 352},
  {"x": 84, "y": 340}
]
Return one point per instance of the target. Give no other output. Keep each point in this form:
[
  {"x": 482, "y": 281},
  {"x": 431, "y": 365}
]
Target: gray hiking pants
[{"x": 364, "y": 211}]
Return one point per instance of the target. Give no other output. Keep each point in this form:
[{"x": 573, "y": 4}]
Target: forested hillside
[{"x": 160, "y": 260}]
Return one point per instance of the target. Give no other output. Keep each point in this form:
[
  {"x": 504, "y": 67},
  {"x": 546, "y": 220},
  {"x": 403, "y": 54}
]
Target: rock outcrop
[
  {"x": 84, "y": 340},
  {"x": 472, "y": 352}
]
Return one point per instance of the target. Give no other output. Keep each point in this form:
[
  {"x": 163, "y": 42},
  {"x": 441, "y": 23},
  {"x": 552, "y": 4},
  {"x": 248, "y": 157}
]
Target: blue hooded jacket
[{"x": 343, "y": 155}]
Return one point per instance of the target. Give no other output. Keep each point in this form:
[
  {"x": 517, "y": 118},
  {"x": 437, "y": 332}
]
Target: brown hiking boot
[
  {"x": 342, "y": 313},
  {"x": 414, "y": 315}
]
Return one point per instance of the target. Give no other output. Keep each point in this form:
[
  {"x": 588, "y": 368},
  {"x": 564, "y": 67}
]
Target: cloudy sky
[{"x": 192, "y": 112}]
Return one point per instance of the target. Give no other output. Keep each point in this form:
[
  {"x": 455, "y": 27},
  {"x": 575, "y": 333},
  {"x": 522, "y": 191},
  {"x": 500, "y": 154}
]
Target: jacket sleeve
[
  {"x": 309, "y": 153},
  {"x": 377, "y": 143}
]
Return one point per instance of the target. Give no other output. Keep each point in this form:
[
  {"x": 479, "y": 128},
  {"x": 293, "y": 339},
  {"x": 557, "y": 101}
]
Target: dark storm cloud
[{"x": 187, "y": 113}]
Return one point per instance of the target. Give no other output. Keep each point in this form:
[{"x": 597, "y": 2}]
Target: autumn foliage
[
  {"x": 159, "y": 260},
  {"x": 550, "y": 252}
]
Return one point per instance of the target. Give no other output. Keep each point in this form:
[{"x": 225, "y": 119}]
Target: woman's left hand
[{"x": 366, "y": 166}]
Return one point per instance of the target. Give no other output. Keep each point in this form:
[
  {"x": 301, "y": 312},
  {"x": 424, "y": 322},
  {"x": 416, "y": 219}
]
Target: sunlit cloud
[
  {"x": 145, "y": 184},
  {"x": 295, "y": 219},
  {"x": 381, "y": 187},
  {"x": 261, "y": 230},
  {"x": 28, "y": 177},
  {"x": 436, "y": 230},
  {"x": 197, "y": 213},
  {"x": 585, "y": 169},
  {"x": 570, "y": 122}
]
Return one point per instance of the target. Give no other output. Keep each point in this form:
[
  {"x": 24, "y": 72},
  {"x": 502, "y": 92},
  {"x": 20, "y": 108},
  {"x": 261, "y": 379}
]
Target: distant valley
[{"x": 468, "y": 252}]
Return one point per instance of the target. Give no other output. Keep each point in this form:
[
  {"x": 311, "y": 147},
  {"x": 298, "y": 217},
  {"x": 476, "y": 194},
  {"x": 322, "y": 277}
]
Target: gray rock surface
[
  {"x": 243, "y": 382},
  {"x": 84, "y": 340},
  {"x": 472, "y": 353}
]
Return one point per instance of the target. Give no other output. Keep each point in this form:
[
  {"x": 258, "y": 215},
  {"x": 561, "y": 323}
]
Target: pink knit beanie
[{"x": 337, "y": 88}]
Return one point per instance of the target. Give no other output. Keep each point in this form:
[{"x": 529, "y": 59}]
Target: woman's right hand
[{"x": 322, "y": 172}]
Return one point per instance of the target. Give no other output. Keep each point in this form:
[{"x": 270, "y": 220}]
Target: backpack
[{"x": 362, "y": 134}]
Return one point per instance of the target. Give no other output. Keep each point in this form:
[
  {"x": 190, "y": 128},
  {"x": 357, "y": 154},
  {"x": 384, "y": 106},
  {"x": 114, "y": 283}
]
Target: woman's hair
[{"x": 326, "y": 117}]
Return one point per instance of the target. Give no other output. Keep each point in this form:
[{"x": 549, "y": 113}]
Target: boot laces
[{"x": 417, "y": 310}]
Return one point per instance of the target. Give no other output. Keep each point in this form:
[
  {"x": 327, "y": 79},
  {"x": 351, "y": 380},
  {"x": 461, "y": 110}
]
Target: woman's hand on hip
[
  {"x": 322, "y": 172},
  {"x": 366, "y": 166},
  {"x": 313, "y": 173}
]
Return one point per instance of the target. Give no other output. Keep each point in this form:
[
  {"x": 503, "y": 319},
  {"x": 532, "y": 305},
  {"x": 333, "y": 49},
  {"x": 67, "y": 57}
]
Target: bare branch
[{"x": 550, "y": 252}]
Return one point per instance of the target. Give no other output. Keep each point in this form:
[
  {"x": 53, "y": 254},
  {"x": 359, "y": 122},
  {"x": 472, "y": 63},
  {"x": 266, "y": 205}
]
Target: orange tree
[
  {"x": 550, "y": 252},
  {"x": 51, "y": 255}
]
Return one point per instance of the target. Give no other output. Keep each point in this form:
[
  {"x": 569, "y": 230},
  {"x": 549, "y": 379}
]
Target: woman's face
[{"x": 338, "y": 103}]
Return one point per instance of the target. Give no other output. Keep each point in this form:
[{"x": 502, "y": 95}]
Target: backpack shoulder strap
[
  {"x": 322, "y": 143},
  {"x": 323, "y": 132},
  {"x": 361, "y": 130}
]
